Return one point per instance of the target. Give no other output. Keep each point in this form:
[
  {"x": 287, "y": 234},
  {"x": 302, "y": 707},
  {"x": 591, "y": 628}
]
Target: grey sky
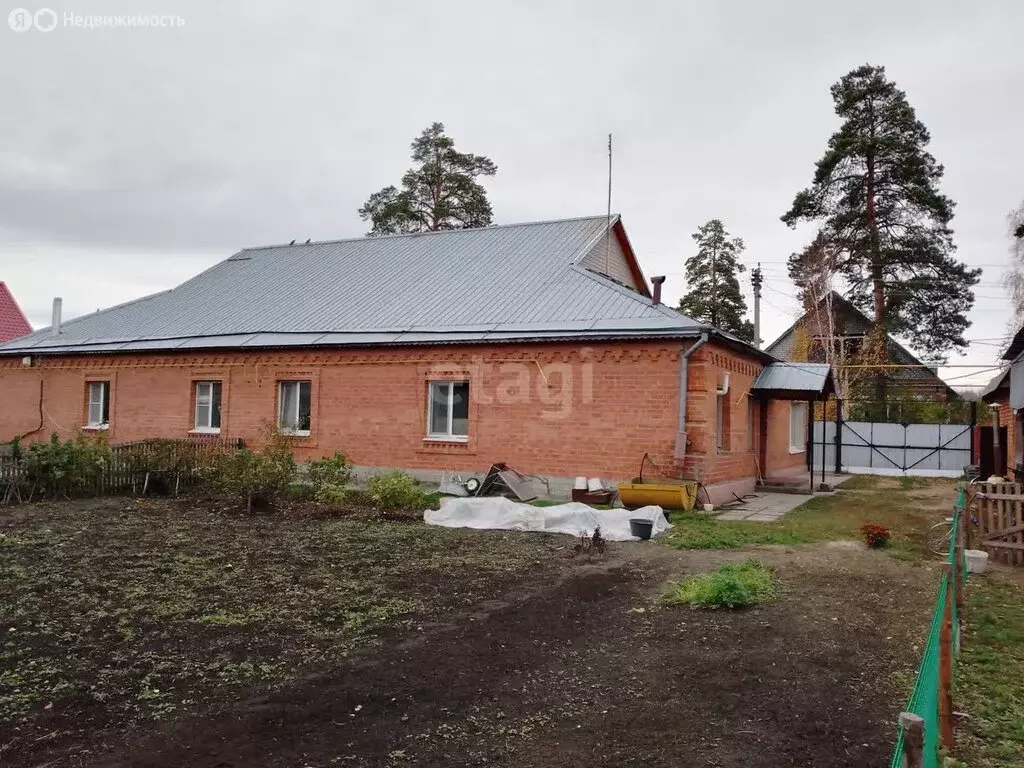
[{"x": 130, "y": 159}]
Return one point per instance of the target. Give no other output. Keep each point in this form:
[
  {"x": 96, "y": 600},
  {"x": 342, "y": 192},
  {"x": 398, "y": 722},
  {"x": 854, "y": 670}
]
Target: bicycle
[{"x": 940, "y": 535}]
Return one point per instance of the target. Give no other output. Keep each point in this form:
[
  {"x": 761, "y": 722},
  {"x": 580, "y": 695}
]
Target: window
[
  {"x": 293, "y": 412},
  {"x": 207, "y": 406},
  {"x": 99, "y": 405},
  {"x": 720, "y": 441},
  {"x": 797, "y": 427},
  {"x": 751, "y": 423},
  {"x": 448, "y": 410}
]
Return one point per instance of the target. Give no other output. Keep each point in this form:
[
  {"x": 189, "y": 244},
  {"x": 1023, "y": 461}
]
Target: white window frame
[
  {"x": 103, "y": 387},
  {"x": 720, "y": 442},
  {"x": 297, "y": 383},
  {"x": 445, "y": 436},
  {"x": 207, "y": 400},
  {"x": 798, "y": 442}
]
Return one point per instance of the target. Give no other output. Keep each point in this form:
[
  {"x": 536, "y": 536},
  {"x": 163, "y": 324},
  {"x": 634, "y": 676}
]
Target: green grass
[
  {"x": 729, "y": 586},
  {"x": 989, "y": 683},
  {"x": 826, "y": 518}
]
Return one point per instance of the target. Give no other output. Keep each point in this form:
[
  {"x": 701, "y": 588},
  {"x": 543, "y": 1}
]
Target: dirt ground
[{"x": 543, "y": 661}]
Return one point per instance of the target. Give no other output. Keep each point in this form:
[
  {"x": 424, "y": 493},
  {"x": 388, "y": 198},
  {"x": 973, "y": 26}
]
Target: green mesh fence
[{"x": 924, "y": 700}]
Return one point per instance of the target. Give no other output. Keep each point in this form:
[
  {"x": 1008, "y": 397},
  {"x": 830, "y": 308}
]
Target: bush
[
  {"x": 331, "y": 494},
  {"x": 256, "y": 476},
  {"x": 394, "y": 490},
  {"x": 875, "y": 536},
  {"x": 730, "y": 586},
  {"x": 66, "y": 468},
  {"x": 335, "y": 470}
]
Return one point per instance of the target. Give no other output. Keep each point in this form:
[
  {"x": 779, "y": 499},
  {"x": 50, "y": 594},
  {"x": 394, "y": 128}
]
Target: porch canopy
[{"x": 795, "y": 381}]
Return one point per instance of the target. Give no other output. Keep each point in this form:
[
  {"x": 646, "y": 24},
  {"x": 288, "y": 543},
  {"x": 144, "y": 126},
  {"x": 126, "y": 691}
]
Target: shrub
[
  {"x": 394, "y": 490},
  {"x": 731, "y": 586},
  {"x": 875, "y": 536},
  {"x": 334, "y": 470},
  {"x": 331, "y": 494},
  {"x": 66, "y": 468},
  {"x": 256, "y": 476}
]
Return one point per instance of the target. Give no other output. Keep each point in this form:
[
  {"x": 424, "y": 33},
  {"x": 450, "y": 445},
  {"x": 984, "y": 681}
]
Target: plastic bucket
[
  {"x": 581, "y": 483},
  {"x": 641, "y": 528},
  {"x": 977, "y": 559},
  {"x": 594, "y": 484}
]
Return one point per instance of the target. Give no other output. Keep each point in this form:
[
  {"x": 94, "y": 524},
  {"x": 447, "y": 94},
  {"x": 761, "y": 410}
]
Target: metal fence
[{"x": 880, "y": 448}]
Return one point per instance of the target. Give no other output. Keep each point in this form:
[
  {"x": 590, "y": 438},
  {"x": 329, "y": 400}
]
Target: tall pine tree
[
  {"x": 440, "y": 192},
  {"x": 875, "y": 194},
  {"x": 713, "y": 293}
]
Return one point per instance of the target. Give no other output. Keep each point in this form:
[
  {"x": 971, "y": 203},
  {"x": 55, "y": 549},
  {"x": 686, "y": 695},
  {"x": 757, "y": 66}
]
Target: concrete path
[{"x": 764, "y": 507}]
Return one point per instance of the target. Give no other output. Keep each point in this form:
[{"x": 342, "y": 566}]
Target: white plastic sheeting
[{"x": 574, "y": 518}]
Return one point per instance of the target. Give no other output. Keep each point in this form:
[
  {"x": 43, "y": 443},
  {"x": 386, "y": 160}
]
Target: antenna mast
[{"x": 608, "y": 222}]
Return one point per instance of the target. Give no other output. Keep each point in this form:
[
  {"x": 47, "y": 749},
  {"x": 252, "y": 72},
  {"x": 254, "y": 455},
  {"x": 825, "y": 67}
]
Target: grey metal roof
[
  {"x": 811, "y": 378},
  {"x": 519, "y": 281},
  {"x": 995, "y": 383}
]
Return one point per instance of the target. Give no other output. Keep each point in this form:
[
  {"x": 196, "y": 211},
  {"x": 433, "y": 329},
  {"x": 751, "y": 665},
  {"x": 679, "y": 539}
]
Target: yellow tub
[{"x": 668, "y": 495}]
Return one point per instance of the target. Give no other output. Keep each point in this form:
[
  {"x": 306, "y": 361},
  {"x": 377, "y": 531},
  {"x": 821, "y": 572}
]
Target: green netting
[{"x": 924, "y": 701}]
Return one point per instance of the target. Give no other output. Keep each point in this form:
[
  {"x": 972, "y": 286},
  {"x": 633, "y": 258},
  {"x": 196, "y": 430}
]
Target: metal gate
[{"x": 880, "y": 448}]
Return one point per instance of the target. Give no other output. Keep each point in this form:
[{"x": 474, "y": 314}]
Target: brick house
[
  {"x": 13, "y": 322},
  {"x": 539, "y": 345},
  {"x": 1005, "y": 394}
]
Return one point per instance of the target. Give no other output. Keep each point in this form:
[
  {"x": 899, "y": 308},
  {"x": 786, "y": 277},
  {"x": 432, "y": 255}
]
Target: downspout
[{"x": 684, "y": 367}]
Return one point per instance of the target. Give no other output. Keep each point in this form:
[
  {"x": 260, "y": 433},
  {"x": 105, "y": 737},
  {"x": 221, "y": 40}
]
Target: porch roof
[{"x": 795, "y": 381}]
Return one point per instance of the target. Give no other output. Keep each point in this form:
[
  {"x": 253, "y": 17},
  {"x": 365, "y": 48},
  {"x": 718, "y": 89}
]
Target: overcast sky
[{"x": 132, "y": 158}]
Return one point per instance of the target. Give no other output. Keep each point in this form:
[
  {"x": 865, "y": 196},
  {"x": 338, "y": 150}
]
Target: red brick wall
[{"x": 552, "y": 409}]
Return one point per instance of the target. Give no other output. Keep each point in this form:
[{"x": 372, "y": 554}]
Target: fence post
[
  {"x": 839, "y": 435},
  {"x": 946, "y": 665},
  {"x": 913, "y": 739}
]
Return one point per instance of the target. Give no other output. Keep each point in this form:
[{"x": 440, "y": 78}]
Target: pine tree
[
  {"x": 713, "y": 294},
  {"x": 440, "y": 192},
  {"x": 875, "y": 193}
]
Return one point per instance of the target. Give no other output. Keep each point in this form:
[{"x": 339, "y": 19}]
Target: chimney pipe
[
  {"x": 656, "y": 282},
  {"x": 55, "y": 321}
]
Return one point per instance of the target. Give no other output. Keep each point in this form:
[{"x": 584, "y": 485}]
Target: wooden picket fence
[
  {"x": 131, "y": 466},
  {"x": 1001, "y": 522}
]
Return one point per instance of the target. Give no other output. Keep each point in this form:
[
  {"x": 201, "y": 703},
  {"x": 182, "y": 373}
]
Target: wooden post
[
  {"x": 946, "y": 666},
  {"x": 913, "y": 739}
]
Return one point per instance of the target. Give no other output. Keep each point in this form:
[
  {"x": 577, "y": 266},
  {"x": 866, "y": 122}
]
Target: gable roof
[
  {"x": 795, "y": 381},
  {"x": 514, "y": 282},
  {"x": 898, "y": 354},
  {"x": 1016, "y": 346},
  {"x": 13, "y": 322},
  {"x": 991, "y": 391}
]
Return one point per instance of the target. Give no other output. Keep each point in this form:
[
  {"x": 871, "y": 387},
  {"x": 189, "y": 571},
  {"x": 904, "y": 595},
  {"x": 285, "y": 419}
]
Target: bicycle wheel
[{"x": 939, "y": 536}]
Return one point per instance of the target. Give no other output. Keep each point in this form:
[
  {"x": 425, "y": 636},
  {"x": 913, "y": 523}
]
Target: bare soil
[{"x": 513, "y": 654}]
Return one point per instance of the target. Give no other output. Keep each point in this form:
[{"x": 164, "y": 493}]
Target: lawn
[
  {"x": 990, "y": 675},
  {"x": 907, "y": 506}
]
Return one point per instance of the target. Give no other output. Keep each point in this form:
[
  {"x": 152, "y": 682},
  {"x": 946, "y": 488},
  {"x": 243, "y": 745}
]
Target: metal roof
[
  {"x": 995, "y": 383},
  {"x": 795, "y": 378},
  {"x": 520, "y": 281}
]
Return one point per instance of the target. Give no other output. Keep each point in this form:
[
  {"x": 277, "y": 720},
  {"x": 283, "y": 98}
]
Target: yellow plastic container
[{"x": 668, "y": 495}]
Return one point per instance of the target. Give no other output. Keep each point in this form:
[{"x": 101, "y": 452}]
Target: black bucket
[{"x": 641, "y": 528}]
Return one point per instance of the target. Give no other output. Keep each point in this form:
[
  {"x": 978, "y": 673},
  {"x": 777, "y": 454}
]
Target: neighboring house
[
  {"x": 802, "y": 341},
  {"x": 539, "y": 345},
  {"x": 13, "y": 322},
  {"x": 1006, "y": 392}
]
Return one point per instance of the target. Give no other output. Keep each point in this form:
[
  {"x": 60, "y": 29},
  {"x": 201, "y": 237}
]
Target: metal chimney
[
  {"x": 656, "y": 282},
  {"x": 55, "y": 321}
]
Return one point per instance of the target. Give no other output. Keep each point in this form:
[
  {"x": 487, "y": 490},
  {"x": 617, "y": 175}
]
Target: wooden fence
[
  {"x": 128, "y": 466},
  {"x": 999, "y": 508}
]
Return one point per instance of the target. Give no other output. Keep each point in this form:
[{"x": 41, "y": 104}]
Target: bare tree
[{"x": 1013, "y": 279}]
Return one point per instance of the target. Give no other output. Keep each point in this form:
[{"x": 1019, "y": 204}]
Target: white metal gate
[{"x": 878, "y": 448}]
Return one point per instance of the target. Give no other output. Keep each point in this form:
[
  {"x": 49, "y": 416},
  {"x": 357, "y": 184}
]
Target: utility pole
[{"x": 756, "y": 280}]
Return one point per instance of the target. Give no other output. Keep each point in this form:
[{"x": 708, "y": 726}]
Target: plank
[{"x": 1004, "y": 545}]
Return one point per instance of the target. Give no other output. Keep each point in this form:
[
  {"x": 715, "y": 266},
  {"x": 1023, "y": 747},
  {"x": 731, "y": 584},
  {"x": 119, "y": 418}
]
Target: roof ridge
[{"x": 396, "y": 236}]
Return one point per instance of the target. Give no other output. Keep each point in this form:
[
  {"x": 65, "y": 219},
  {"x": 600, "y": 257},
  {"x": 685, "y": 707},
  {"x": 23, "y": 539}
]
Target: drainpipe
[{"x": 684, "y": 365}]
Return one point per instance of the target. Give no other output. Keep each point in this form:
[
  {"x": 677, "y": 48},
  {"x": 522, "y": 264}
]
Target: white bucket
[
  {"x": 594, "y": 484},
  {"x": 977, "y": 559},
  {"x": 581, "y": 483}
]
